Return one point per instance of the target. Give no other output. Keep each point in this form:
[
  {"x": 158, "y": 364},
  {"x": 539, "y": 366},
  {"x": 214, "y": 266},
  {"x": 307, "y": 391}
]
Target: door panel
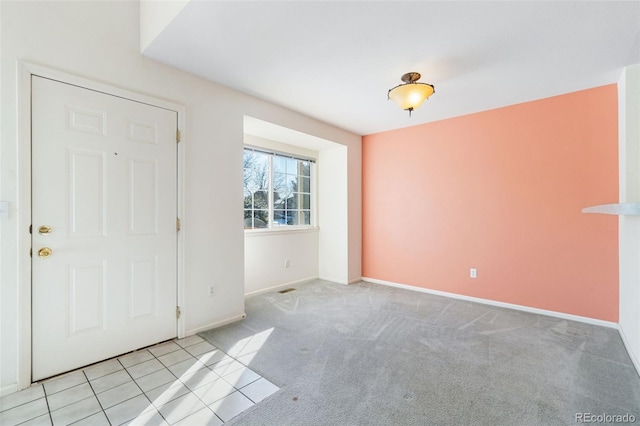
[
  {"x": 143, "y": 197},
  {"x": 86, "y": 184},
  {"x": 104, "y": 182},
  {"x": 86, "y": 289},
  {"x": 143, "y": 286}
]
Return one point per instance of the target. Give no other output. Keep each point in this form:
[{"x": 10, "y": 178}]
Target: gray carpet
[{"x": 366, "y": 354}]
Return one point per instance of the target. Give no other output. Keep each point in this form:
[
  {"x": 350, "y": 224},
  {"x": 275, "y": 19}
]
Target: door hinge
[
  {"x": 30, "y": 252},
  {"x": 177, "y": 224},
  {"x": 30, "y": 229},
  {"x": 178, "y": 312},
  {"x": 178, "y": 136}
]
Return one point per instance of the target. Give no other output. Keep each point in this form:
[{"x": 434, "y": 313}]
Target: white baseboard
[
  {"x": 280, "y": 286},
  {"x": 6, "y": 390},
  {"x": 334, "y": 280},
  {"x": 215, "y": 325},
  {"x": 631, "y": 353},
  {"x": 496, "y": 303}
]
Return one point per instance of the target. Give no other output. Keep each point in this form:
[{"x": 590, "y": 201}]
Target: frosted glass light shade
[{"x": 411, "y": 95}]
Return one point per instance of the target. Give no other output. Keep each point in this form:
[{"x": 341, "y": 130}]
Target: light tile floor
[{"x": 181, "y": 382}]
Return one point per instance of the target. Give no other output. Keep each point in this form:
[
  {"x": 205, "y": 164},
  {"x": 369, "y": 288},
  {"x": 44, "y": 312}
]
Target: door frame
[{"x": 24, "y": 72}]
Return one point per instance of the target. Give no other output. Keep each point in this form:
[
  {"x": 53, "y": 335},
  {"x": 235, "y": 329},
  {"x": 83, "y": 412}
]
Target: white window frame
[{"x": 312, "y": 191}]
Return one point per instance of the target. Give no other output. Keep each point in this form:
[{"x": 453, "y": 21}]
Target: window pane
[
  {"x": 305, "y": 168},
  {"x": 306, "y": 217},
  {"x": 279, "y": 182},
  {"x": 306, "y": 201},
  {"x": 256, "y": 171},
  {"x": 292, "y": 217},
  {"x": 300, "y": 217},
  {"x": 292, "y": 166},
  {"x": 282, "y": 217},
  {"x": 290, "y": 185},
  {"x": 305, "y": 184},
  {"x": 279, "y": 164},
  {"x": 261, "y": 200},
  {"x": 279, "y": 203},
  {"x": 292, "y": 202},
  {"x": 256, "y": 219}
]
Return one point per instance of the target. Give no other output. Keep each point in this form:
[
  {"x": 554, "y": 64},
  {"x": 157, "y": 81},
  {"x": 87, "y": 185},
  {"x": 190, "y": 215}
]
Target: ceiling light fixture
[{"x": 411, "y": 94}]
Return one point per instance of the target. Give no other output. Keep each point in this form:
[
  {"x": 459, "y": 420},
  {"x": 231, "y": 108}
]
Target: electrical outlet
[
  {"x": 287, "y": 263},
  {"x": 473, "y": 273},
  {"x": 210, "y": 290}
]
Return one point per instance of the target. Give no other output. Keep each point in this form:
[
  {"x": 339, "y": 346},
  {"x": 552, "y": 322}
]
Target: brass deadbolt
[
  {"x": 44, "y": 230},
  {"x": 45, "y": 252}
]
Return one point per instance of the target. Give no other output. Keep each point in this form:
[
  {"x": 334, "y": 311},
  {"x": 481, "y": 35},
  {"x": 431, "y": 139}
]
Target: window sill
[
  {"x": 620, "y": 209},
  {"x": 280, "y": 231}
]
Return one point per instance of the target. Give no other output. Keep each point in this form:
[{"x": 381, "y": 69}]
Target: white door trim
[{"x": 24, "y": 72}]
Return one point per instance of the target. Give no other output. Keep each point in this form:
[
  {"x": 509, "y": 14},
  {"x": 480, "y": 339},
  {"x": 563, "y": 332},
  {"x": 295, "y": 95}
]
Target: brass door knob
[
  {"x": 44, "y": 230},
  {"x": 45, "y": 252}
]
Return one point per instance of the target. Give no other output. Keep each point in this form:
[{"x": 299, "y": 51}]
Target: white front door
[{"x": 104, "y": 202}]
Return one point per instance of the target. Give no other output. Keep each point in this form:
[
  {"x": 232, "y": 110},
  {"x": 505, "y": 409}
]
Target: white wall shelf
[{"x": 621, "y": 209}]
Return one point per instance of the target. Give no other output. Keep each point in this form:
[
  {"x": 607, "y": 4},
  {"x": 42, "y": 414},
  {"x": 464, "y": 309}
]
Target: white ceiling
[{"x": 335, "y": 60}]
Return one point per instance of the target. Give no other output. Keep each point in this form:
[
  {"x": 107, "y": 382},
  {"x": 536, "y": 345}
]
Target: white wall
[
  {"x": 629, "y": 226},
  {"x": 333, "y": 193},
  {"x": 155, "y": 15},
  {"x": 100, "y": 41},
  {"x": 339, "y": 172},
  {"x": 337, "y": 244},
  {"x": 354, "y": 205},
  {"x": 265, "y": 254},
  {"x": 265, "y": 251}
]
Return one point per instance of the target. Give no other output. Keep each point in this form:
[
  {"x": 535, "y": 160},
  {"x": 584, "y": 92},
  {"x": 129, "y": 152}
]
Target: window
[{"x": 277, "y": 190}]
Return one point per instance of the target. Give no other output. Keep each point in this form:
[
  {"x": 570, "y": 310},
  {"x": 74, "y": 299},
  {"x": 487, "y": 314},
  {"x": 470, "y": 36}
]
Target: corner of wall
[
  {"x": 355, "y": 211},
  {"x": 333, "y": 214},
  {"x": 629, "y": 226},
  {"x": 154, "y": 18}
]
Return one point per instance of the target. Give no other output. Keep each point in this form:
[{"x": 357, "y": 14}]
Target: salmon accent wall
[{"x": 500, "y": 191}]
